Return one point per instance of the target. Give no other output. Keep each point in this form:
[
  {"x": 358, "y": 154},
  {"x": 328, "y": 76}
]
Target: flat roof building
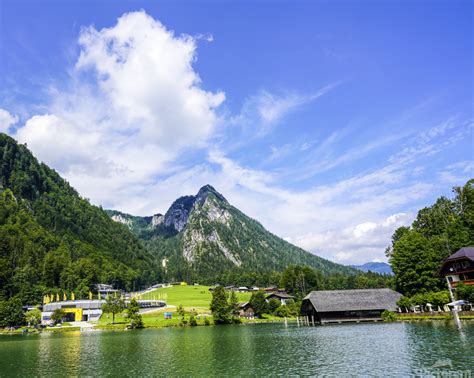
[{"x": 88, "y": 310}]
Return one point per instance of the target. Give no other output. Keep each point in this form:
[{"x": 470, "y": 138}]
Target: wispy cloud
[{"x": 262, "y": 112}]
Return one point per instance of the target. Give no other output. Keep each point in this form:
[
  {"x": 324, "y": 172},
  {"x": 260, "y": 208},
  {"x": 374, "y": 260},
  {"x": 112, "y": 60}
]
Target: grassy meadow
[
  {"x": 193, "y": 298},
  {"x": 196, "y": 298}
]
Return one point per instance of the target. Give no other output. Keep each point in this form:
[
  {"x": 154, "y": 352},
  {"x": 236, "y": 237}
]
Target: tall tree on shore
[
  {"x": 258, "y": 303},
  {"x": 113, "y": 305},
  {"x": 220, "y": 307},
  {"x": 417, "y": 252},
  {"x": 300, "y": 280},
  {"x": 234, "y": 304},
  {"x": 133, "y": 311}
]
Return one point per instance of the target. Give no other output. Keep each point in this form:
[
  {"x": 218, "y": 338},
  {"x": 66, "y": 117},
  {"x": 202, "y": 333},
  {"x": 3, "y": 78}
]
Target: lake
[{"x": 259, "y": 349}]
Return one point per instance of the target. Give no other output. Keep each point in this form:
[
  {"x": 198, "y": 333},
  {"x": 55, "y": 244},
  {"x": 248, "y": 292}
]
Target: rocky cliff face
[
  {"x": 207, "y": 235},
  {"x": 178, "y": 214}
]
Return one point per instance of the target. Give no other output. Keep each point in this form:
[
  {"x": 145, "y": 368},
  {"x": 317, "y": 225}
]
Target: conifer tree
[{"x": 220, "y": 307}]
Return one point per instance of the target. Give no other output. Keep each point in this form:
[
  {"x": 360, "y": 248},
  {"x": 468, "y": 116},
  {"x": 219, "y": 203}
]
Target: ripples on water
[{"x": 395, "y": 349}]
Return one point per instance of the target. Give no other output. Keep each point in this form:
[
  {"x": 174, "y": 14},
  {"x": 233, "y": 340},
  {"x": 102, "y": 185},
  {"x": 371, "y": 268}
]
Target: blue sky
[{"x": 332, "y": 123}]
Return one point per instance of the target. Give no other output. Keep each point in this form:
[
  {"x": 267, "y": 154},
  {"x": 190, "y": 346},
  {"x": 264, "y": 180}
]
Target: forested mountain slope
[{"x": 51, "y": 238}]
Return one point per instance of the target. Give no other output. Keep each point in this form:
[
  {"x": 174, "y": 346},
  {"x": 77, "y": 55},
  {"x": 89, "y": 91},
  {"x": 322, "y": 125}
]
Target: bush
[
  {"x": 133, "y": 310},
  {"x": 33, "y": 317},
  {"x": 405, "y": 302},
  {"x": 258, "y": 303},
  {"x": 273, "y": 304},
  {"x": 192, "y": 321},
  {"x": 206, "y": 321},
  {"x": 58, "y": 315},
  {"x": 465, "y": 292},
  {"x": 439, "y": 298},
  {"x": 282, "y": 311},
  {"x": 389, "y": 316}
]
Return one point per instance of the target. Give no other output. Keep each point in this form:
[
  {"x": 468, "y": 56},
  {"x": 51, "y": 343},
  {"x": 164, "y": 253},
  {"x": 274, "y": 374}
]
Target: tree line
[{"x": 417, "y": 252}]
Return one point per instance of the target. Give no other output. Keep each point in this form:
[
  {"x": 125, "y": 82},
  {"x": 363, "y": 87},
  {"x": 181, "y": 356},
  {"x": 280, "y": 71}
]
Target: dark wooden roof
[
  {"x": 465, "y": 252},
  {"x": 353, "y": 300},
  {"x": 280, "y": 295}
]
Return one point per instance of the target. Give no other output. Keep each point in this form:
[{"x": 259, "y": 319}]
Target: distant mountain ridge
[
  {"x": 375, "y": 267},
  {"x": 203, "y": 235}
]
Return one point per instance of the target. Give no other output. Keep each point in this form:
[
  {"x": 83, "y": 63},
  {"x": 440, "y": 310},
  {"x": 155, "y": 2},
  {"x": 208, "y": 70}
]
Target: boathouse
[{"x": 337, "y": 306}]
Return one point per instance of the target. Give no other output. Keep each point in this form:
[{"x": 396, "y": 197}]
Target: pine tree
[
  {"x": 220, "y": 307},
  {"x": 234, "y": 304}
]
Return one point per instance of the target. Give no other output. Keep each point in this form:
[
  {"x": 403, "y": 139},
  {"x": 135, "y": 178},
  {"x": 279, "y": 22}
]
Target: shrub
[
  {"x": 206, "y": 321},
  {"x": 192, "y": 321},
  {"x": 465, "y": 292},
  {"x": 389, "y": 316},
  {"x": 405, "y": 302},
  {"x": 273, "y": 304},
  {"x": 33, "y": 317},
  {"x": 258, "y": 303},
  {"x": 58, "y": 315},
  {"x": 282, "y": 311}
]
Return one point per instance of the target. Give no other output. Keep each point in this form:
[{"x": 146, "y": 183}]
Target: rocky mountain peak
[
  {"x": 178, "y": 214},
  {"x": 205, "y": 191}
]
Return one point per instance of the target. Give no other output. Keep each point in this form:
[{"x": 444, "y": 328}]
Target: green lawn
[
  {"x": 154, "y": 319},
  {"x": 191, "y": 297}
]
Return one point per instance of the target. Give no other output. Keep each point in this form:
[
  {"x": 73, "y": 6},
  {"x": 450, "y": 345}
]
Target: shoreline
[{"x": 123, "y": 326}]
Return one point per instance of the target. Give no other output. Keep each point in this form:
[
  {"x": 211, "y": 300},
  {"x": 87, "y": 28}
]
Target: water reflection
[{"x": 357, "y": 349}]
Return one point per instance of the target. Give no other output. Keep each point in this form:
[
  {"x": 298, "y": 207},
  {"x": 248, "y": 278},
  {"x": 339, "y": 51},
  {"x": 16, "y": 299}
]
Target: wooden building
[
  {"x": 282, "y": 297},
  {"x": 459, "y": 267},
  {"x": 337, "y": 306},
  {"x": 246, "y": 310}
]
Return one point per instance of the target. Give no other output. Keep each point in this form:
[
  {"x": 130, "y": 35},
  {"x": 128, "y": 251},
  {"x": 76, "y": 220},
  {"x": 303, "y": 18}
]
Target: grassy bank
[{"x": 433, "y": 316}]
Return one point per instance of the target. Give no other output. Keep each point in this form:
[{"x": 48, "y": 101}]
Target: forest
[{"x": 416, "y": 252}]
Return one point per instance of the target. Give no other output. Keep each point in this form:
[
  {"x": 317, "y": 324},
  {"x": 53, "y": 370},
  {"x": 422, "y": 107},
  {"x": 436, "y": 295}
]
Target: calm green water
[{"x": 359, "y": 349}]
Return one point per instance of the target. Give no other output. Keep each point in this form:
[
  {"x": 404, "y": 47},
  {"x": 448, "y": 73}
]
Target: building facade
[
  {"x": 459, "y": 267},
  {"x": 89, "y": 310}
]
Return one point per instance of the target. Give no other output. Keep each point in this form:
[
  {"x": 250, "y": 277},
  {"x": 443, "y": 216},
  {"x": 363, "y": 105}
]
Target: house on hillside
[
  {"x": 337, "y": 306},
  {"x": 459, "y": 267},
  {"x": 282, "y": 297}
]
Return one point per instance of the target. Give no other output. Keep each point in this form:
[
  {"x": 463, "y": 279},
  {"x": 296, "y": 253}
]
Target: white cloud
[
  {"x": 133, "y": 105},
  {"x": 6, "y": 120},
  {"x": 146, "y": 73}
]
